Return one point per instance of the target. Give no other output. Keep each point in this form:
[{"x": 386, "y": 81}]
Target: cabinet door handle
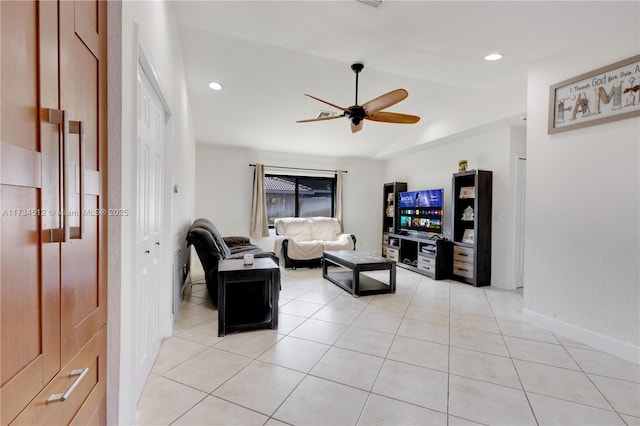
[
  {"x": 76, "y": 127},
  {"x": 60, "y": 117},
  {"x": 61, "y": 397},
  {"x": 65, "y": 233}
]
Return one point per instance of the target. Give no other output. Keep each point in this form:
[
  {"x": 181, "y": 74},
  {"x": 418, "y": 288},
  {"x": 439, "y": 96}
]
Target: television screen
[
  {"x": 426, "y": 198},
  {"x": 421, "y": 211}
]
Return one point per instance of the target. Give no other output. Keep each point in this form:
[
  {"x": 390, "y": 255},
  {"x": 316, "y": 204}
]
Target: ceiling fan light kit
[{"x": 371, "y": 110}]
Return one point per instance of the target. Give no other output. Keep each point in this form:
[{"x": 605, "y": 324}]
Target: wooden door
[
  {"x": 83, "y": 97},
  {"x": 29, "y": 203}
]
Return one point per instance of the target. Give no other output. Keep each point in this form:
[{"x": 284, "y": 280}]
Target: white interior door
[{"x": 149, "y": 226}]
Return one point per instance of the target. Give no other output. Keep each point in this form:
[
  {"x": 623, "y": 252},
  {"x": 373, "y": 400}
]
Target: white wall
[
  {"x": 157, "y": 35},
  {"x": 433, "y": 167},
  {"x": 224, "y": 184},
  {"x": 582, "y": 226}
]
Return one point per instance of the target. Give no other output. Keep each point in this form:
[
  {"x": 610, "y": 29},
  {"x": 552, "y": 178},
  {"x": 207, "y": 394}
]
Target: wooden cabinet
[
  {"x": 53, "y": 305},
  {"x": 430, "y": 257},
  {"x": 389, "y": 210},
  {"x": 471, "y": 226}
]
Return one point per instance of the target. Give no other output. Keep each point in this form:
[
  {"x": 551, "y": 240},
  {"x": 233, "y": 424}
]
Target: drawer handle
[
  {"x": 61, "y": 397},
  {"x": 461, "y": 254}
]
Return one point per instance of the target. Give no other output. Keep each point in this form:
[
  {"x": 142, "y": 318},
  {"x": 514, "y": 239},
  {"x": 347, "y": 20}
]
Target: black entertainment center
[
  {"x": 413, "y": 237},
  {"x": 412, "y": 234}
]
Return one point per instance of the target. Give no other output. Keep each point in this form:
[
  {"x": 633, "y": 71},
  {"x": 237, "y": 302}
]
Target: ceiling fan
[{"x": 371, "y": 110}]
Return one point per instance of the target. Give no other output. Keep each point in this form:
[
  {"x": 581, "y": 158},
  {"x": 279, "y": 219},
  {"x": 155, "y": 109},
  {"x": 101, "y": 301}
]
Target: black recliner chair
[{"x": 211, "y": 247}]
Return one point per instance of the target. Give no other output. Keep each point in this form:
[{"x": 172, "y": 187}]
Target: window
[{"x": 299, "y": 196}]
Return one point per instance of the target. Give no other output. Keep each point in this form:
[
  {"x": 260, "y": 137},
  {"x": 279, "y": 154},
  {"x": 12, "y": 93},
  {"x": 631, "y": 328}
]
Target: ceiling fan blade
[
  {"x": 393, "y": 117},
  {"x": 331, "y": 117},
  {"x": 348, "y": 111},
  {"x": 384, "y": 101},
  {"x": 356, "y": 127}
]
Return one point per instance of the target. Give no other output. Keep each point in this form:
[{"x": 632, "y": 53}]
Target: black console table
[{"x": 247, "y": 295}]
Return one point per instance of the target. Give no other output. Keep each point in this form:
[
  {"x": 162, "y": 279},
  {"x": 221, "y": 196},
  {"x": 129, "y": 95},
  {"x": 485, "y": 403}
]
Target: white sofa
[{"x": 301, "y": 241}]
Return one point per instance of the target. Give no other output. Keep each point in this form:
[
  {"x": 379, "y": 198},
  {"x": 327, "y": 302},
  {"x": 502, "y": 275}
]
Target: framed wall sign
[{"x": 600, "y": 96}]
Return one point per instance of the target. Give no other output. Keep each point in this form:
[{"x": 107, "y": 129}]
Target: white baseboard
[{"x": 622, "y": 350}]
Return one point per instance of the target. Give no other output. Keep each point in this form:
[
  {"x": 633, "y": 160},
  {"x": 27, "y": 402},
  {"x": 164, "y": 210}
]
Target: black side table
[{"x": 247, "y": 295}]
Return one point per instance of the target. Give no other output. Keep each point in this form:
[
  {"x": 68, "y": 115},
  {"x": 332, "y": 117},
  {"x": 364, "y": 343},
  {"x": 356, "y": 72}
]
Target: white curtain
[
  {"x": 339, "y": 198},
  {"x": 259, "y": 222}
]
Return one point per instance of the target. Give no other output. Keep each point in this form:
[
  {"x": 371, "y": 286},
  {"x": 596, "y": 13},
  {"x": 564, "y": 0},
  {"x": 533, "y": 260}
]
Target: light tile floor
[{"x": 434, "y": 353}]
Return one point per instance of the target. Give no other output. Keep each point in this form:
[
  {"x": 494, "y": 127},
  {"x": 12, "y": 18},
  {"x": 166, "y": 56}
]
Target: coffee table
[
  {"x": 247, "y": 295},
  {"x": 352, "y": 279}
]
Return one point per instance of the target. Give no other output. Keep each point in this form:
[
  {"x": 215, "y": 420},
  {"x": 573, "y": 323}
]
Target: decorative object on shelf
[
  {"x": 468, "y": 236},
  {"x": 462, "y": 166},
  {"x": 467, "y": 214},
  {"x": 595, "y": 97},
  {"x": 390, "y": 205},
  {"x": 389, "y": 211},
  {"x": 468, "y": 192}
]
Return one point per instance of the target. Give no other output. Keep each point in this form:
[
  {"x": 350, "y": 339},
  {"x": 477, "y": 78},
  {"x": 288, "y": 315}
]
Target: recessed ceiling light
[
  {"x": 493, "y": 57},
  {"x": 214, "y": 85}
]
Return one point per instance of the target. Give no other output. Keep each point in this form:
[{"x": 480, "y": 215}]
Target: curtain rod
[{"x": 301, "y": 168}]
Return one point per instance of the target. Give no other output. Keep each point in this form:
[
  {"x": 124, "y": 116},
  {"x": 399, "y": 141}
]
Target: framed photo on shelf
[
  {"x": 468, "y": 192},
  {"x": 389, "y": 211},
  {"x": 468, "y": 236}
]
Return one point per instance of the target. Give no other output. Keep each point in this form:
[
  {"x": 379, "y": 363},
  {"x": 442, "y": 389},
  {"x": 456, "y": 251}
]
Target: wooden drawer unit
[
  {"x": 463, "y": 254},
  {"x": 463, "y": 269},
  {"x": 393, "y": 253},
  {"x": 73, "y": 395},
  {"x": 385, "y": 244},
  {"x": 427, "y": 263},
  {"x": 463, "y": 261}
]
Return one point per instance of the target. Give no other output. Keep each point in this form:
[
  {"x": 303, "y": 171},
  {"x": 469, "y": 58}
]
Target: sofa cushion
[
  {"x": 324, "y": 228},
  {"x": 209, "y": 226},
  {"x": 296, "y": 229}
]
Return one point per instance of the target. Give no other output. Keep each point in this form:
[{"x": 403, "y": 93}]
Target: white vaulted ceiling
[{"x": 268, "y": 54}]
